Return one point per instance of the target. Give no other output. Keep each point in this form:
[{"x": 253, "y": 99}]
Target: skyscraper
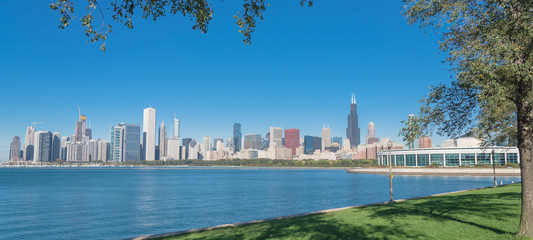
[
  {"x": 253, "y": 141},
  {"x": 352, "y": 131},
  {"x": 292, "y": 139},
  {"x": 337, "y": 140},
  {"x": 149, "y": 134},
  {"x": 43, "y": 146},
  {"x": 317, "y": 143},
  {"x": 371, "y": 137},
  {"x": 326, "y": 137},
  {"x": 56, "y": 146},
  {"x": 14, "y": 150},
  {"x": 215, "y": 142},
  {"x": 81, "y": 128},
  {"x": 125, "y": 143},
  {"x": 206, "y": 146},
  {"x": 176, "y": 132},
  {"x": 28, "y": 144},
  {"x": 185, "y": 143},
  {"x": 162, "y": 140},
  {"x": 173, "y": 148},
  {"x": 276, "y": 137},
  {"x": 116, "y": 142},
  {"x": 237, "y": 137},
  {"x": 309, "y": 147},
  {"x": 132, "y": 146}
]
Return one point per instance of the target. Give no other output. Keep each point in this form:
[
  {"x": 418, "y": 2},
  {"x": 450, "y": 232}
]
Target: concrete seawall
[{"x": 440, "y": 171}]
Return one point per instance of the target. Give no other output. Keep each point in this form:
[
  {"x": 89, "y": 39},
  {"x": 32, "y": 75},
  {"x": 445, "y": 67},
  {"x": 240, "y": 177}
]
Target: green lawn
[{"x": 478, "y": 214}]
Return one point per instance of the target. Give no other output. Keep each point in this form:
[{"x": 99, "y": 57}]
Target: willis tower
[{"x": 353, "y": 132}]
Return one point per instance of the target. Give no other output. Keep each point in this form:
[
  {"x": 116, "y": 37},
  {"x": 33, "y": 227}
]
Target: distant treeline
[{"x": 259, "y": 163}]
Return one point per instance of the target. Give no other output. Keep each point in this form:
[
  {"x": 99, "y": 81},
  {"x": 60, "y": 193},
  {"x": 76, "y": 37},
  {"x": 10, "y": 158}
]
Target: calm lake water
[{"x": 115, "y": 203}]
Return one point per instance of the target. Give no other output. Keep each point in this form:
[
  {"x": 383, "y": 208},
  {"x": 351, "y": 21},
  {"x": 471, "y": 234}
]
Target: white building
[
  {"x": 326, "y": 137},
  {"x": 206, "y": 147},
  {"x": 149, "y": 134},
  {"x": 450, "y": 156},
  {"x": 176, "y": 132},
  {"x": 173, "y": 148},
  {"x": 276, "y": 137},
  {"x": 28, "y": 144}
]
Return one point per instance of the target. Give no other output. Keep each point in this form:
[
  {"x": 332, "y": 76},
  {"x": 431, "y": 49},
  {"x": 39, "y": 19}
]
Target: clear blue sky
[{"x": 299, "y": 72}]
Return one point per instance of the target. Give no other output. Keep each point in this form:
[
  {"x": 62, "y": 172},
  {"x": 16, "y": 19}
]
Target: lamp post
[
  {"x": 390, "y": 170},
  {"x": 494, "y": 168}
]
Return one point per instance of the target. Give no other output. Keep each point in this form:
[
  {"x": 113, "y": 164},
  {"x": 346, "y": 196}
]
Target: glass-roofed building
[{"x": 455, "y": 153}]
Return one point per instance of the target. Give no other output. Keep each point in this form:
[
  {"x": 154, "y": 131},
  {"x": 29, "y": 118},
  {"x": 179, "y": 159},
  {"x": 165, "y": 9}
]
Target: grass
[{"x": 478, "y": 214}]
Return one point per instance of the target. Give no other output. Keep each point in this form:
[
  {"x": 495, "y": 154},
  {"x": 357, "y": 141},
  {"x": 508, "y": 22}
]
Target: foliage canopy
[{"x": 122, "y": 11}]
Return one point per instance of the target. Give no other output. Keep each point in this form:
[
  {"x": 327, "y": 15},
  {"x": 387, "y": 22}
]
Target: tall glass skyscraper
[
  {"x": 237, "y": 137},
  {"x": 352, "y": 131},
  {"x": 308, "y": 145}
]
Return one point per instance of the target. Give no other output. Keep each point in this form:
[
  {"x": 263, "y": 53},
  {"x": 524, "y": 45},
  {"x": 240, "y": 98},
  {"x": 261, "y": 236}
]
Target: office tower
[
  {"x": 89, "y": 133},
  {"x": 371, "y": 137},
  {"x": 425, "y": 142},
  {"x": 103, "y": 150},
  {"x": 215, "y": 142},
  {"x": 14, "y": 150},
  {"x": 56, "y": 146},
  {"x": 352, "y": 131},
  {"x": 91, "y": 151},
  {"x": 43, "y": 146},
  {"x": 185, "y": 143},
  {"x": 193, "y": 150},
  {"x": 63, "y": 153},
  {"x": 219, "y": 146},
  {"x": 346, "y": 145},
  {"x": 173, "y": 148},
  {"x": 253, "y": 141},
  {"x": 309, "y": 146},
  {"x": 149, "y": 134},
  {"x": 237, "y": 137},
  {"x": 206, "y": 146},
  {"x": 276, "y": 137},
  {"x": 162, "y": 140},
  {"x": 117, "y": 142},
  {"x": 125, "y": 143},
  {"x": 81, "y": 129},
  {"x": 176, "y": 132},
  {"x": 132, "y": 139},
  {"x": 317, "y": 143},
  {"x": 326, "y": 137},
  {"x": 266, "y": 141},
  {"x": 337, "y": 140},
  {"x": 292, "y": 139},
  {"x": 28, "y": 144}
]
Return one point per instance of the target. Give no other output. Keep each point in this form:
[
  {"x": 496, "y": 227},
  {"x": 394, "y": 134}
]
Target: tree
[
  {"x": 489, "y": 45},
  {"x": 122, "y": 11}
]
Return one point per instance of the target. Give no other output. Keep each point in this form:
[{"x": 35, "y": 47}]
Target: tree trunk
[{"x": 525, "y": 147}]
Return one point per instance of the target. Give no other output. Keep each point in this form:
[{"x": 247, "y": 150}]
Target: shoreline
[
  {"x": 440, "y": 171},
  {"x": 182, "y": 232},
  {"x": 179, "y": 166}
]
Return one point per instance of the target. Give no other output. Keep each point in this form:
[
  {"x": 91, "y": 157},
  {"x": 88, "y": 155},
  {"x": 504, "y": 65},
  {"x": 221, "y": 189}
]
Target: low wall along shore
[{"x": 441, "y": 171}]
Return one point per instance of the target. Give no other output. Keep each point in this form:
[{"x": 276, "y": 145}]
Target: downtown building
[
  {"x": 148, "y": 137},
  {"x": 352, "y": 131},
  {"x": 125, "y": 143}
]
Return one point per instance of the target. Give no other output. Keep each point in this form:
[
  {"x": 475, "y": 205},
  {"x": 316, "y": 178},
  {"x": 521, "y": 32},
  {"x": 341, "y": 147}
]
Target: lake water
[{"x": 115, "y": 203}]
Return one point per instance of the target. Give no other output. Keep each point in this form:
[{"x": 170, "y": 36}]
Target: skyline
[{"x": 293, "y": 76}]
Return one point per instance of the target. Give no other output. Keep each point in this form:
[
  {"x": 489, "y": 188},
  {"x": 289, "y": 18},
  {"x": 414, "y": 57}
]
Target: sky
[{"x": 299, "y": 72}]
